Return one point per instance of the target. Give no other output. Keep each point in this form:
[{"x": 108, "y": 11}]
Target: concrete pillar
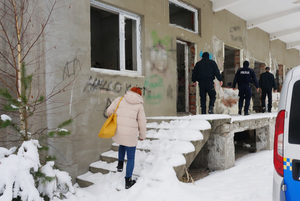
[
  {"x": 262, "y": 137},
  {"x": 270, "y": 132},
  {"x": 265, "y": 136},
  {"x": 221, "y": 152}
]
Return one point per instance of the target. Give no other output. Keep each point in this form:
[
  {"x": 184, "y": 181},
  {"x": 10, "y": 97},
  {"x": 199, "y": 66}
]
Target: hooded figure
[
  {"x": 131, "y": 127},
  {"x": 205, "y": 72}
]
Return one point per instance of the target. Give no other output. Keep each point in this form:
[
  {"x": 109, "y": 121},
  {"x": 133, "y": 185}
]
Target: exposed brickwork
[
  {"x": 237, "y": 62},
  {"x": 280, "y": 77},
  {"x": 192, "y": 88},
  {"x": 261, "y": 68}
]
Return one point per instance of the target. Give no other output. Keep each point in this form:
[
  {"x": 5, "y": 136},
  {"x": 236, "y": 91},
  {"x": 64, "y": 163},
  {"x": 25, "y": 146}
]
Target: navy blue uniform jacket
[
  {"x": 205, "y": 71},
  {"x": 267, "y": 81},
  {"x": 245, "y": 76}
]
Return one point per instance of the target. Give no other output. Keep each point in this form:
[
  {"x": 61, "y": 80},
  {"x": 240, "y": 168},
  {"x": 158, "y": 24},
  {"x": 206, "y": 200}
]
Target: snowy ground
[{"x": 249, "y": 180}]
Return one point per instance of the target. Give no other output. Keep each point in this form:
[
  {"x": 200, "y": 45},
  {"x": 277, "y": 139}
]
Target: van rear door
[{"x": 291, "y": 160}]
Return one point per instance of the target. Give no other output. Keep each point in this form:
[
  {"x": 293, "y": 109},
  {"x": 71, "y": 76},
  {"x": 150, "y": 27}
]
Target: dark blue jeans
[{"x": 130, "y": 158}]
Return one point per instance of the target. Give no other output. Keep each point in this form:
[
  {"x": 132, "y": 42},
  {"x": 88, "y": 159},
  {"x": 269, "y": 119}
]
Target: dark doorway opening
[
  {"x": 231, "y": 64},
  {"x": 258, "y": 69},
  {"x": 186, "y": 90},
  {"x": 181, "y": 77},
  {"x": 279, "y": 77},
  {"x": 244, "y": 143}
]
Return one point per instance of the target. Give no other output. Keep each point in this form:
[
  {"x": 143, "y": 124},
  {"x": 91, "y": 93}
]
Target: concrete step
[
  {"x": 176, "y": 146},
  {"x": 85, "y": 180},
  {"x": 172, "y": 143}
]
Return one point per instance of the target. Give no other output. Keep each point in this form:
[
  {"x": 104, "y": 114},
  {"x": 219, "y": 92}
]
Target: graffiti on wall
[
  {"x": 235, "y": 33},
  {"x": 161, "y": 42},
  {"x": 159, "y": 53},
  {"x": 210, "y": 54},
  {"x": 104, "y": 85},
  {"x": 153, "y": 88},
  {"x": 72, "y": 67}
]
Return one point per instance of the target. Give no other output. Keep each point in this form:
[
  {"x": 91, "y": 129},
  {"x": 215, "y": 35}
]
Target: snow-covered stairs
[{"x": 170, "y": 145}]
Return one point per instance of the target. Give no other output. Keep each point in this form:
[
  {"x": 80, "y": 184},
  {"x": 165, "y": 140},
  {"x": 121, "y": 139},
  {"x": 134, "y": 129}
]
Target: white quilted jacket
[{"x": 131, "y": 119}]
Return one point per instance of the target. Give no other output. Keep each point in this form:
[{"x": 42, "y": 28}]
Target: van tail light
[{"x": 278, "y": 143}]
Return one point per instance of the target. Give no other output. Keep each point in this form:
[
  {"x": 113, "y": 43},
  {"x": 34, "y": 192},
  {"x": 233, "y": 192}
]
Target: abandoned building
[{"x": 108, "y": 46}]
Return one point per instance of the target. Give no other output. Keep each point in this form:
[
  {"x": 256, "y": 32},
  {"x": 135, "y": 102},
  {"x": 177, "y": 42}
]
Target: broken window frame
[
  {"x": 187, "y": 7},
  {"x": 123, "y": 15}
]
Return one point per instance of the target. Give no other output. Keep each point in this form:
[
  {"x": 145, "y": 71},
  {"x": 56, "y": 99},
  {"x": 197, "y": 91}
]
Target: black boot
[
  {"x": 129, "y": 182},
  {"x": 240, "y": 112},
  {"x": 120, "y": 166},
  {"x": 211, "y": 110}
]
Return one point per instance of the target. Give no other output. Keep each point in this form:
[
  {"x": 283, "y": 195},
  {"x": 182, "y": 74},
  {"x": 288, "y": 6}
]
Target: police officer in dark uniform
[
  {"x": 243, "y": 77},
  {"x": 205, "y": 72},
  {"x": 267, "y": 83}
]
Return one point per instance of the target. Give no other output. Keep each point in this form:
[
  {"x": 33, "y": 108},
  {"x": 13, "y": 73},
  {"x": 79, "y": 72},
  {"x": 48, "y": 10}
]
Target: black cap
[{"x": 267, "y": 68}]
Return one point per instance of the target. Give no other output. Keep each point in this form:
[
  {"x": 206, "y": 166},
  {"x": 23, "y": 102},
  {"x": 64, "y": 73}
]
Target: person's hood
[{"x": 133, "y": 97}]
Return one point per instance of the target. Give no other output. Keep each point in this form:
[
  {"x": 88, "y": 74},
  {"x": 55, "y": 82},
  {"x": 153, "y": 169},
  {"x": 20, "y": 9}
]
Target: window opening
[
  {"x": 104, "y": 42},
  {"x": 130, "y": 43},
  {"x": 294, "y": 126},
  {"x": 183, "y": 15},
  {"x": 115, "y": 39}
]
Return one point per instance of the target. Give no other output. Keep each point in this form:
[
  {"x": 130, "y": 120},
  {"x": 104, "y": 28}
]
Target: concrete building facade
[{"x": 105, "y": 47}]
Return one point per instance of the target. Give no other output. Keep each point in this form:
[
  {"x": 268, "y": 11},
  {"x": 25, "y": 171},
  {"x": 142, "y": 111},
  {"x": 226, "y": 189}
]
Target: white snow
[
  {"x": 16, "y": 178},
  {"x": 252, "y": 116},
  {"x": 250, "y": 179},
  {"x": 5, "y": 117}
]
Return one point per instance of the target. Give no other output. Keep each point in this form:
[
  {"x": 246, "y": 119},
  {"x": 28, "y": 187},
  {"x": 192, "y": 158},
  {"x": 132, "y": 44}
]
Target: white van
[{"x": 286, "y": 178}]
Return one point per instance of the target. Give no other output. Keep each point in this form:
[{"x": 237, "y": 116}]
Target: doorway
[
  {"x": 231, "y": 65},
  {"x": 182, "y": 77},
  {"x": 258, "y": 69},
  {"x": 279, "y": 77}
]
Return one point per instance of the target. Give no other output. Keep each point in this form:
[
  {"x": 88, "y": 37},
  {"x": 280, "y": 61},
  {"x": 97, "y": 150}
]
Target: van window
[{"x": 294, "y": 126}]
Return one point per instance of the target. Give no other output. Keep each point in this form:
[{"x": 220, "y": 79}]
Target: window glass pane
[
  {"x": 104, "y": 39},
  {"x": 294, "y": 126},
  {"x": 181, "y": 16}
]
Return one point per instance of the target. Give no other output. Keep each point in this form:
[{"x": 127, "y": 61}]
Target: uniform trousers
[
  {"x": 245, "y": 93},
  {"x": 207, "y": 88},
  {"x": 266, "y": 92}
]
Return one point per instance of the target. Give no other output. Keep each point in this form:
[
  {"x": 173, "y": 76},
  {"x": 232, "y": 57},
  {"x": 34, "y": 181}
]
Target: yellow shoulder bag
[{"x": 110, "y": 125}]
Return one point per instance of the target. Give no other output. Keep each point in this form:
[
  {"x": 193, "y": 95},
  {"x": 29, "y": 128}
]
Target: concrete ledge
[{"x": 220, "y": 145}]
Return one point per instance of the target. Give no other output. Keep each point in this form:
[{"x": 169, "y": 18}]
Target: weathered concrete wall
[{"x": 87, "y": 99}]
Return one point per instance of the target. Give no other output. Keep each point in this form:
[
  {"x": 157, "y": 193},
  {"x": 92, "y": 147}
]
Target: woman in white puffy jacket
[{"x": 131, "y": 127}]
